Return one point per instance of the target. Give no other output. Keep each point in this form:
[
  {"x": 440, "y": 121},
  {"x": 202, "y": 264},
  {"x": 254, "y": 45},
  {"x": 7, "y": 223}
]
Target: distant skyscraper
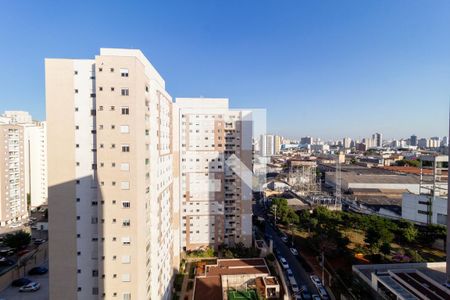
[
  {"x": 413, "y": 140},
  {"x": 267, "y": 145},
  {"x": 277, "y": 144},
  {"x": 377, "y": 140},
  {"x": 346, "y": 142},
  {"x": 307, "y": 140},
  {"x": 423, "y": 143}
]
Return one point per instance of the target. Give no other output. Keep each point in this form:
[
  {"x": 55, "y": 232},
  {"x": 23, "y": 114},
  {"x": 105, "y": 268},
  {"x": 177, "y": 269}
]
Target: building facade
[
  {"x": 113, "y": 180},
  {"x": 13, "y": 200},
  {"x": 215, "y": 166},
  {"x": 35, "y": 155}
]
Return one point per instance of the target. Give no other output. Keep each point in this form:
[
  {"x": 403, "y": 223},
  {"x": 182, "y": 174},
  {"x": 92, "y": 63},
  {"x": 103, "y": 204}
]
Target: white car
[
  {"x": 294, "y": 251},
  {"x": 316, "y": 280},
  {"x": 284, "y": 263},
  {"x": 289, "y": 272},
  {"x": 31, "y": 287},
  {"x": 293, "y": 284},
  {"x": 315, "y": 297}
]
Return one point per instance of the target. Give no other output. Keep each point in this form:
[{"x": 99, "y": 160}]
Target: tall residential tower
[
  {"x": 216, "y": 173},
  {"x": 112, "y": 178}
]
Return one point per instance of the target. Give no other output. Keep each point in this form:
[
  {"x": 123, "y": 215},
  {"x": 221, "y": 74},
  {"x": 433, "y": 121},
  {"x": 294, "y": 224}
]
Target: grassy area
[{"x": 243, "y": 295}]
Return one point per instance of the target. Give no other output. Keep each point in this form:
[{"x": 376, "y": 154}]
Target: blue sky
[{"x": 321, "y": 68}]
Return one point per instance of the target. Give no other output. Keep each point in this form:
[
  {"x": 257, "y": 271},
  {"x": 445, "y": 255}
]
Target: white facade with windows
[{"x": 421, "y": 208}]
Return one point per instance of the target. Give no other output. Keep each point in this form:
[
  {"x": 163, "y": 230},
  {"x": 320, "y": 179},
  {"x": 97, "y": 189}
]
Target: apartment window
[
  {"x": 77, "y": 127},
  {"x": 94, "y": 273},
  {"x": 76, "y": 108},
  {"x": 126, "y": 240},
  {"x": 126, "y": 259},
  {"x": 76, "y": 91},
  {"x": 126, "y": 277},
  {"x": 112, "y": 89},
  {"x": 75, "y": 72},
  {"x": 146, "y": 88},
  {"x": 113, "y": 108},
  {"x": 124, "y": 92},
  {"x": 100, "y": 127},
  {"x": 123, "y": 72},
  {"x": 124, "y": 166},
  {"x": 124, "y": 129},
  {"x": 100, "y": 69},
  {"x": 112, "y": 70},
  {"x": 126, "y": 204},
  {"x": 125, "y": 148},
  {"x": 113, "y": 126},
  {"x": 95, "y": 291},
  {"x": 100, "y": 88},
  {"x": 124, "y": 185},
  {"x": 126, "y": 223},
  {"x": 125, "y": 110}
]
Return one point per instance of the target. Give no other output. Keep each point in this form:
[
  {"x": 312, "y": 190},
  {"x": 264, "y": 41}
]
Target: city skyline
[{"x": 382, "y": 68}]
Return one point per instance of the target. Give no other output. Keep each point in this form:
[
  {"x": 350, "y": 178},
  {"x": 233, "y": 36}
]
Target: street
[{"x": 300, "y": 275}]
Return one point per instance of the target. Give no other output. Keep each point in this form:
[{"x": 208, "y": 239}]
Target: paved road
[
  {"x": 300, "y": 275},
  {"x": 12, "y": 293}
]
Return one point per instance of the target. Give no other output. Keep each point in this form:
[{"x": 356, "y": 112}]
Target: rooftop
[
  {"x": 408, "y": 280},
  {"x": 208, "y": 285}
]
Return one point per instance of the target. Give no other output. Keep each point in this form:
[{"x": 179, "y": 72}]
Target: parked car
[
  {"x": 293, "y": 284},
  {"x": 284, "y": 263},
  {"x": 7, "y": 252},
  {"x": 289, "y": 272},
  {"x": 6, "y": 261},
  {"x": 322, "y": 292},
  {"x": 39, "y": 241},
  {"x": 294, "y": 251},
  {"x": 315, "y": 297},
  {"x": 31, "y": 287},
  {"x": 316, "y": 280},
  {"x": 21, "y": 282},
  {"x": 38, "y": 271},
  {"x": 284, "y": 238}
]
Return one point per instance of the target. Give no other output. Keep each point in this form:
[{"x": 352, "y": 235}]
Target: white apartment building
[
  {"x": 267, "y": 145},
  {"x": 113, "y": 178},
  {"x": 215, "y": 188},
  {"x": 35, "y": 154},
  {"x": 13, "y": 203}
]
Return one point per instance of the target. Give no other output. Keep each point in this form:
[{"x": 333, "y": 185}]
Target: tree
[
  {"x": 410, "y": 233},
  {"x": 17, "y": 240},
  {"x": 376, "y": 235},
  {"x": 385, "y": 248}
]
